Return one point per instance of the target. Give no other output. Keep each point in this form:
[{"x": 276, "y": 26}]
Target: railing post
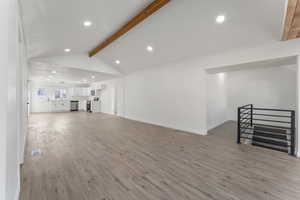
[
  {"x": 293, "y": 128},
  {"x": 251, "y": 115},
  {"x": 239, "y": 126}
]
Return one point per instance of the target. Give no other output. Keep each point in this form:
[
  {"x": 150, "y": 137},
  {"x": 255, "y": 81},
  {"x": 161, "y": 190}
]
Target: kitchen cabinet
[
  {"x": 79, "y": 92},
  {"x": 60, "y": 105}
]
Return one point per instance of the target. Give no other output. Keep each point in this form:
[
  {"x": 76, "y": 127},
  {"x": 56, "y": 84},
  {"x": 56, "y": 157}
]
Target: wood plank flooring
[{"x": 102, "y": 157}]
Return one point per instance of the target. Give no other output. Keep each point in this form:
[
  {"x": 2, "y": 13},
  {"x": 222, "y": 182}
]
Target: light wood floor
[{"x": 102, "y": 157}]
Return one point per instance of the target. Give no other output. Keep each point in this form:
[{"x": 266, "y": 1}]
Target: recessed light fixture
[
  {"x": 53, "y": 72},
  {"x": 117, "y": 62},
  {"x": 87, "y": 23},
  {"x": 67, "y": 50},
  {"x": 220, "y": 19},
  {"x": 93, "y": 77},
  {"x": 50, "y": 76},
  {"x": 149, "y": 48},
  {"x": 48, "y": 79},
  {"x": 84, "y": 80}
]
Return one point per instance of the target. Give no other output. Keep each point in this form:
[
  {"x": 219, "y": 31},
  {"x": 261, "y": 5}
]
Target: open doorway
[
  {"x": 271, "y": 83},
  {"x": 268, "y": 84}
]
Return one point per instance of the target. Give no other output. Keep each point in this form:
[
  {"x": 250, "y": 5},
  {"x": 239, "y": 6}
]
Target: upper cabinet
[
  {"x": 79, "y": 92},
  {"x": 86, "y": 92}
]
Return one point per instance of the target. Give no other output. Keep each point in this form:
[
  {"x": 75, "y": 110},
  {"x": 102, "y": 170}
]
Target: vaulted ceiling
[{"x": 179, "y": 30}]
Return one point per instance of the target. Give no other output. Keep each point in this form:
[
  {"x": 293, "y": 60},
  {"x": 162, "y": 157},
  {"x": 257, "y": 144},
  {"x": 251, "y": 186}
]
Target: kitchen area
[{"x": 60, "y": 98}]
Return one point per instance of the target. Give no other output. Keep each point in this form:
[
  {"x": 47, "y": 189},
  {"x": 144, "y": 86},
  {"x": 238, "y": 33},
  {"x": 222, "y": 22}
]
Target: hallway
[{"x": 102, "y": 157}]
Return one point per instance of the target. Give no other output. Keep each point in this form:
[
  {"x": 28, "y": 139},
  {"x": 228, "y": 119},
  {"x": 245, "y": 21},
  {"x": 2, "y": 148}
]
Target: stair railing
[
  {"x": 245, "y": 120},
  {"x": 250, "y": 117}
]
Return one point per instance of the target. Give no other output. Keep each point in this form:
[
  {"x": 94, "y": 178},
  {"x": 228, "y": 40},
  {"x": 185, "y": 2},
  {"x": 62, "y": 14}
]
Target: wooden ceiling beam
[
  {"x": 289, "y": 20},
  {"x": 145, "y": 13}
]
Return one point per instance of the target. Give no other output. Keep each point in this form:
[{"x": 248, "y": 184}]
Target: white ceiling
[
  {"x": 288, "y": 62},
  {"x": 71, "y": 69},
  {"x": 181, "y": 29},
  {"x": 41, "y": 72},
  {"x": 53, "y": 25}
]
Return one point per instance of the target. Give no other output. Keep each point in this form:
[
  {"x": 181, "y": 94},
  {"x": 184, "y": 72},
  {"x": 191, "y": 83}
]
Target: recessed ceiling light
[
  {"x": 87, "y": 23},
  {"x": 220, "y": 19},
  {"x": 117, "y": 62},
  {"x": 50, "y": 76},
  {"x": 67, "y": 50},
  {"x": 149, "y": 48},
  {"x": 48, "y": 79},
  {"x": 84, "y": 80},
  {"x": 93, "y": 77},
  {"x": 53, "y": 72}
]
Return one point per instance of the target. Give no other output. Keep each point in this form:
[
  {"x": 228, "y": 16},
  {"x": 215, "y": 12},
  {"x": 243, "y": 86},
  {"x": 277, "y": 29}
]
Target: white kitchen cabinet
[
  {"x": 86, "y": 92},
  {"x": 60, "y": 106},
  {"x": 79, "y": 92},
  {"x": 82, "y": 105}
]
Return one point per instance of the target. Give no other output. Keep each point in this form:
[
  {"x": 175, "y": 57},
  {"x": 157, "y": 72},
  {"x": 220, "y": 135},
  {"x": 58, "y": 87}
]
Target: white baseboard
[
  {"x": 18, "y": 190},
  {"x": 17, "y": 195},
  {"x": 203, "y": 133},
  {"x": 219, "y": 124}
]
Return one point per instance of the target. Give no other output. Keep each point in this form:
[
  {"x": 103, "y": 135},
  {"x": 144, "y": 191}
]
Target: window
[
  {"x": 64, "y": 93},
  {"x": 60, "y": 94},
  {"x": 42, "y": 92},
  {"x": 57, "y": 94}
]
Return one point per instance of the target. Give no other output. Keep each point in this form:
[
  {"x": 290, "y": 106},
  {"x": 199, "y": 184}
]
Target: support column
[{"x": 9, "y": 164}]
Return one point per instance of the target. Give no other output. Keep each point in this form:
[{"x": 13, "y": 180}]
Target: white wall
[
  {"x": 273, "y": 87},
  {"x": 183, "y": 96},
  {"x": 23, "y": 99},
  {"x": 216, "y": 92},
  {"x": 171, "y": 96},
  {"x": 9, "y": 149},
  {"x": 270, "y": 87},
  {"x": 112, "y": 96}
]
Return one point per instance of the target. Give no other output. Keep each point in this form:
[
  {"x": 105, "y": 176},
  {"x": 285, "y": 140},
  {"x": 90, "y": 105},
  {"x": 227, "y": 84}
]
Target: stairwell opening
[{"x": 266, "y": 84}]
